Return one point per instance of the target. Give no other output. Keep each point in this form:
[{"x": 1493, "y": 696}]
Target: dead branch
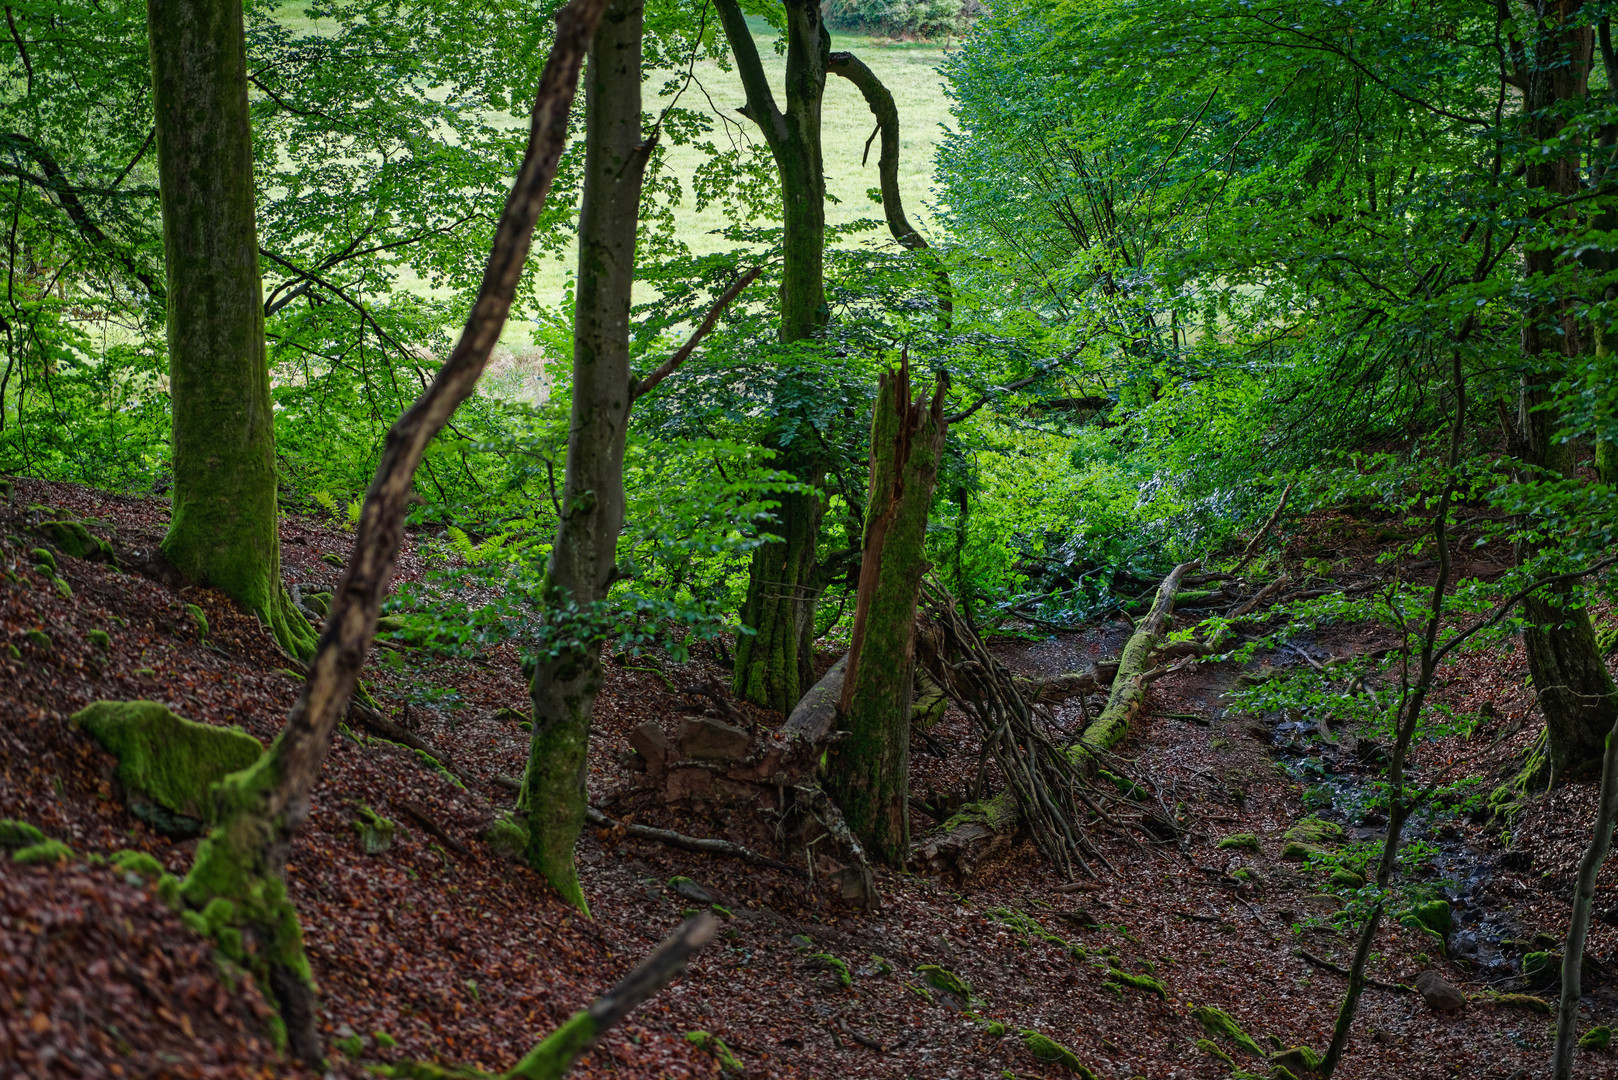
[
  {"x": 704, "y": 845},
  {"x": 1252, "y": 545}
]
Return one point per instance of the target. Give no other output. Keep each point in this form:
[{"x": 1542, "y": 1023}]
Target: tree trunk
[
  {"x": 222, "y": 529},
  {"x": 869, "y": 772},
  {"x": 1567, "y": 1011},
  {"x": 773, "y": 662},
  {"x": 243, "y": 859},
  {"x": 1575, "y": 691},
  {"x": 584, "y": 557}
]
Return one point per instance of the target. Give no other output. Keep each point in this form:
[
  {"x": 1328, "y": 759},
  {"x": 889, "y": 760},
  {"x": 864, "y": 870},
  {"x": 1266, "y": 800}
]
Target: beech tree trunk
[
  {"x": 773, "y": 655},
  {"x": 243, "y": 859},
  {"x": 1584, "y": 891},
  {"x": 584, "y": 556},
  {"x": 869, "y": 772},
  {"x": 222, "y": 528},
  {"x": 1576, "y": 692}
]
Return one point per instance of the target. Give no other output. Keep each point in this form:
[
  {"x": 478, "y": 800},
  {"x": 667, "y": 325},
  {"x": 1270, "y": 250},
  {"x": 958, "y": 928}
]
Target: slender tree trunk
[
  {"x": 243, "y": 859},
  {"x": 584, "y": 557},
  {"x": 869, "y": 772},
  {"x": 1576, "y": 693},
  {"x": 1567, "y": 1011},
  {"x": 222, "y": 529},
  {"x": 774, "y": 660}
]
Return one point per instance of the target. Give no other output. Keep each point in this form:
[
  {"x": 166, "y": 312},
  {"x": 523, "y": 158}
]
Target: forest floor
[{"x": 437, "y": 949}]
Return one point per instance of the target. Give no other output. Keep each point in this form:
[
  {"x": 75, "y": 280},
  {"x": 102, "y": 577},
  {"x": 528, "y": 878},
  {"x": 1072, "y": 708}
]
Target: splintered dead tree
[
  {"x": 868, "y": 773},
  {"x": 222, "y": 528},
  {"x": 240, "y": 868}
]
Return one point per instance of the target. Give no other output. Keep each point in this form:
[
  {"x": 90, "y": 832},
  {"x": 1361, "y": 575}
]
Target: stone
[
  {"x": 652, "y": 745},
  {"x": 1440, "y": 995},
  {"x": 687, "y": 889},
  {"x": 707, "y": 739}
]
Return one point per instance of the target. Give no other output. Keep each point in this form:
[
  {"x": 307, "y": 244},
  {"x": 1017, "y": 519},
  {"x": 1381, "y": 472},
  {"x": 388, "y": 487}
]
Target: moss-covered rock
[
  {"x": 713, "y": 1044},
  {"x": 1243, "y": 841},
  {"x": 63, "y": 589},
  {"x": 18, "y": 834},
  {"x": 839, "y": 969},
  {"x": 947, "y": 981},
  {"x": 1049, "y": 1051},
  {"x": 1596, "y": 1038},
  {"x": 72, "y": 538},
  {"x": 1144, "y": 983},
  {"x": 1297, "y": 1060},
  {"x": 318, "y": 602},
  {"x": 140, "y": 864},
  {"x": 199, "y": 620},
  {"x": 1540, "y": 969},
  {"x": 100, "y": 639},
  {"x": 1316, "y": 833},
  {"x": 166, "y": 759},
  {"x": 1434, "y": 915},
  {"x": 994, "y": 1029},
  {"x": 46, "y": 851},
  {"x": 40, "y": 640},
  {"x": 507, "y": 837},
  {"x": 11, "y": 651},
  {"x": 1221, "y": 1025},
  {"x": 375, "y": 831},
  {"x": 44, "y": 560},
  {"x": 1344, "y": 878},
  {"x": 1527, "y": 1002}
]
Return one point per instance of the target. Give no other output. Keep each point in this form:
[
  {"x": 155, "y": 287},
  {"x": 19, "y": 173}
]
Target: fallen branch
[
  {"x": 1338, "y": 969},
  {"x": 1129, "y": 687},
  {"x": 704, "y": 845},
  {"x": 1259, "y": 597},
  {"x": 1252, "y": 545},
  {"x": 423, "y": 817}
]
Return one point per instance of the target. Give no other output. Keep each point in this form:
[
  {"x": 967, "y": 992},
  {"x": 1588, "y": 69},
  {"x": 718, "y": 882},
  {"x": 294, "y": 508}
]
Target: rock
[
  {"x": 375, "y": 831},
  {"x": 165, "y": 759},
  {"x": 687, "y": 889},
  {"x": 1440, "y": 995},
  {"x": 72, "y": 538},
  {"x": 1596, "y": 1038},
  {"x": 1246, "y": 841},
  {"x": 707, "y": 739},
  {"x": 19, "y": 834},
  {"x": 652, "y": 745}
]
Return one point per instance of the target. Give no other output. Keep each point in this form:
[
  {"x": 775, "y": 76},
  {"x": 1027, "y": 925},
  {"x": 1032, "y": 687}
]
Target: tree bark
[
  {"x": 774, "y": 655},
  {"x": 1576, "y": 692},
  {"x": 584, "y": 557},
  {"x": 1567, "y": 1011},
  {"x": 222, "y": 528},
  {"x": 243, "y": 859},
  {"x": 869, "y": 773}
]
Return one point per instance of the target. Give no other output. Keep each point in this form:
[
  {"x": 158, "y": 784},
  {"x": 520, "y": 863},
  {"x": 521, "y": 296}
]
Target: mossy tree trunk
[
  {"x": 584, "y": 557},
  {"x": 1576, "y": 692},
  {"x": 773, "y": 662},
  {"x": 222, "y": 530},
  {"x": 238, "y": 879},
  {"x": 869, "y": 772}
]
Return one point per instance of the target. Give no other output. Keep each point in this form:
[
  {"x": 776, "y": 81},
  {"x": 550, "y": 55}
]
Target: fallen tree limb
[
  {"x": 1129, "y": 686},
  {"x": 705, "y": 845},
  {"x": 421, "y": 816},
  {"x": 1259, "y": 597},
  {"x": 1252, "y": 545},
  {"x": 1322, "y": 962},
  {"x": 558, "y": 1051}
]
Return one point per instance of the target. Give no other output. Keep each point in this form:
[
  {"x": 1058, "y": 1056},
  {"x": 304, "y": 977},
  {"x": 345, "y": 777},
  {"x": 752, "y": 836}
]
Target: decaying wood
[
  {"x": 1134, "y": 664},
  {"x": 703, "y": 844},
  {"x": 815, "y": 714},
  {"x": 1259, "y": 597}
]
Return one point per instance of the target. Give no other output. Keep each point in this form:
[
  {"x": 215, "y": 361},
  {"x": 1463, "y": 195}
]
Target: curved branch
[{"x": 668, "y": 367}]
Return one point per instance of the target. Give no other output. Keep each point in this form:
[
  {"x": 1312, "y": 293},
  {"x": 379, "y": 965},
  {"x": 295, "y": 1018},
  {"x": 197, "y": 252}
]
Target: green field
[{"x": 908, "y": 69}]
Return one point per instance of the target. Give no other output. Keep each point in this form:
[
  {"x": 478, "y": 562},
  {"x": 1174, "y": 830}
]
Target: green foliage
[{"x": 903, "y": 18}]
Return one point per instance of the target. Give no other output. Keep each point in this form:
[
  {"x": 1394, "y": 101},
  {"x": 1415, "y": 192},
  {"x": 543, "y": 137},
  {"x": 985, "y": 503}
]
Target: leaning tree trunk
[
  {"x": 222, "y": 528},
  {"x": 1584, "y": 891},
  {"x": 868, "y": 773},
  {"x": 773, "y": 654},
  {"x": 583, "y": 558},
  {"x": 243, "y": 859},
  {"x": 1575, "y": 691}
]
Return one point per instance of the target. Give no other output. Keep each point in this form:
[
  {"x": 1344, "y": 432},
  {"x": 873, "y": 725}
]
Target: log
[
  {"x": 703, "y": 844},
  {"x": 1058, "y": 688},
  {"x": 815, "y": 713}
]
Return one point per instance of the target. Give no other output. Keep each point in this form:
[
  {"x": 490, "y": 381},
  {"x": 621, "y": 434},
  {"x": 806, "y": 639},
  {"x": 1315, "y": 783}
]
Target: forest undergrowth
[{"x": 425, "y": 943}]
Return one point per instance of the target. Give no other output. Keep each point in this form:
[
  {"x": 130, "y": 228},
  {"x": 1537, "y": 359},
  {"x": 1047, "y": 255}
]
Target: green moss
[
  {"x": 1243, "y": 873},
  {"x": 994, "y": 1029},
  {"x": 430, "y": 763},
  {"x": 1245, "y": 840},
  {"x": 352, "y": 1046},
  {"x": 1051, "y": 1052},
  {"x": 508, "y": 837},
  {"x": 44, "y": 560},
  {"x": 140, "y": 863},
  {"x": 198, "y": 619},
  {"x": 166, "y": 758},
  {"x": 1345, "y": 878},
  {"x": 881, "y": 964},
  {"x": 72, "y": 538},
  {"x": 1596, "y": 1038},
  {"x": 168, "y": 891},
  {"x": 1212, "y": 1049},
  {"x": 920, "y": 991},
  {"x": 63, "y": 589},
  {"x": 1281, "y": 1072},
  {"x": 318, "y": 602},
  {"x": 1220, "y": 1024},
  {"x": 17, "y": 834},
  {"x": 47, "y": 851},
  {"x": 714, "y": 1045},
  {"x": 1294, "y": 851},
  {"x": 947, "y": 981},
  {"x": 384, "y": 1041},
  {"x": 1315, "y": 832},
  {"x": 100, "y": 639},
  {"x": 1298, "y": 1059},
  {"x": 1434, "y": 915},
  {"x": 845, "y": 978},
  {"x": 1523, "y": 1001},
  {"x": 375, "y": 831},
  {"x": 40, "y": 640},
  {"x": 560, "y": 1049},
  {"x": 12, "y": 652},
  {"x": 1144, "y": 983},
  {"x": 1540, "y": 967}
]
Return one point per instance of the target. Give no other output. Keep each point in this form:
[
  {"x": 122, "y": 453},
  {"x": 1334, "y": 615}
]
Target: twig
[{"x": 705, "y": 845}]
